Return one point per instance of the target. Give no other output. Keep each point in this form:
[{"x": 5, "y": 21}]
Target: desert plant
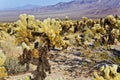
[
  {"x": 2, "y": 57},
  {"x": 107, "y": 72},
  {"x": 26, "y": 25},
  {"x": 3, "y": 72},
  {"x": 12, "y": 65},
  {"x": 37, "y": 56}
]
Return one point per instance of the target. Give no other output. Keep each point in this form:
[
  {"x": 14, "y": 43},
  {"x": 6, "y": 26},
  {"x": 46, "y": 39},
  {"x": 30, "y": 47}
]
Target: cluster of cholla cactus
[
  {"x": 107, "y": 72},
  {"x": 67, "y": 26},
  {"x": 32, "y": 29},
  {"x": 112, "y": 27},
  {"x": 103, "y": 31},
  {"x": 8, "y": 27},
  {"x": 60, "y": 33},
  {"x": 24, "y": 28},
  {"x": 52, "y": 29}
]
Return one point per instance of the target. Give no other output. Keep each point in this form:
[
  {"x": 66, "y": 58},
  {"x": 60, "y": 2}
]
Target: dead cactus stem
[{"x": 43, "y": 64}]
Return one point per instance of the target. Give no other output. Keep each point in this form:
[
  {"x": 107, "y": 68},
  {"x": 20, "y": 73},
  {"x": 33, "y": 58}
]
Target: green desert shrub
[{"x": 12, "y": 65}]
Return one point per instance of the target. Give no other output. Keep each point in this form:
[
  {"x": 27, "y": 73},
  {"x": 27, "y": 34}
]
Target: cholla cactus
[
  {"x": 97, "y": 77},
  {"x": 2, "y": 60},
  {"x": 117, "y": 23},
  {"x": 66, "y": 18},
  {"x": 71, "y": 29},
  {"x": 31, "y": 22},
  {"x": 110, "y": 73},
  {"x": 53, "y": 29},
  {"x": 90, "y": 23},
  {"x": 84, "y": 19},
  {"x": 4, "y": 36},
  {"x": 111, "y": 19},
  {"x": 23, "y": 18},
  {"x": 26, "y": 25},
  {"x": 24, "y": 45},
  {"x": 67, "y": 26},
  {"x": 98, "y": 29},
  {"x": 115, "y": 33}
]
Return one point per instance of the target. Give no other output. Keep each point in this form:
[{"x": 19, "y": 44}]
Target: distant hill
[
  {"x": 74, "y": 9},
  {"x": 26, "y": 7}
]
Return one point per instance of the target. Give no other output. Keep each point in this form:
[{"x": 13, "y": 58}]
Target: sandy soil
[{"x": 65, "y": 65}]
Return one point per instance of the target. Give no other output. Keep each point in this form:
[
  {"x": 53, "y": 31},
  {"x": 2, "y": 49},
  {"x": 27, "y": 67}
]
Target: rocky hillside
[{"x": 75, "y": 9}]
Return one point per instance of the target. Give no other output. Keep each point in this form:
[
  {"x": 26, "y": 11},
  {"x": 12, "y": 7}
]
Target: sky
[{"x": 6, "y": 4}]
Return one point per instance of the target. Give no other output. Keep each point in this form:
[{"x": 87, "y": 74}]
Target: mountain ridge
[{"x": 75, "y": 9}]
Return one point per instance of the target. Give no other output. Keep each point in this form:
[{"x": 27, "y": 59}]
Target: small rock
[{"x": 77, "y": 53}]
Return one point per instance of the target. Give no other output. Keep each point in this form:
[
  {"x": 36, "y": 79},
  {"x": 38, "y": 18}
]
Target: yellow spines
[
  {"x": 35, "y": 53},
  {"x": 113, "y": 69},
  {"x": 102, "y": 30},
  {"x": 2, "y": 58},
  {"x": 71, "y": 30},
  {"x": 4, "y": 36},
  {"x": 117, "y": 23},
  {"x": 52, "y": 28},
  {"x": 3, "y": 72},
  {"x": 26, "y": 21},
  {"x": 97, "y": 77},
  {"x": 24, "y": 45},
  {"x": 66, "y": 18},
  {"x": 117, "y": 77},
  {"x": 98, "y": 29},
  {"x": 98, "y": 36},
  {"x": 111, "y": 19},
  {"x": 115, "y": 32},
  {"x": 84, "y": 19},
  {"x": 110, "y": 73},
  {"x": 31, "y": 22},
  {"x": 107, "y": 72},
  {"x": 25, "y": 26},
  {"x": 23, "y": 18}
]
